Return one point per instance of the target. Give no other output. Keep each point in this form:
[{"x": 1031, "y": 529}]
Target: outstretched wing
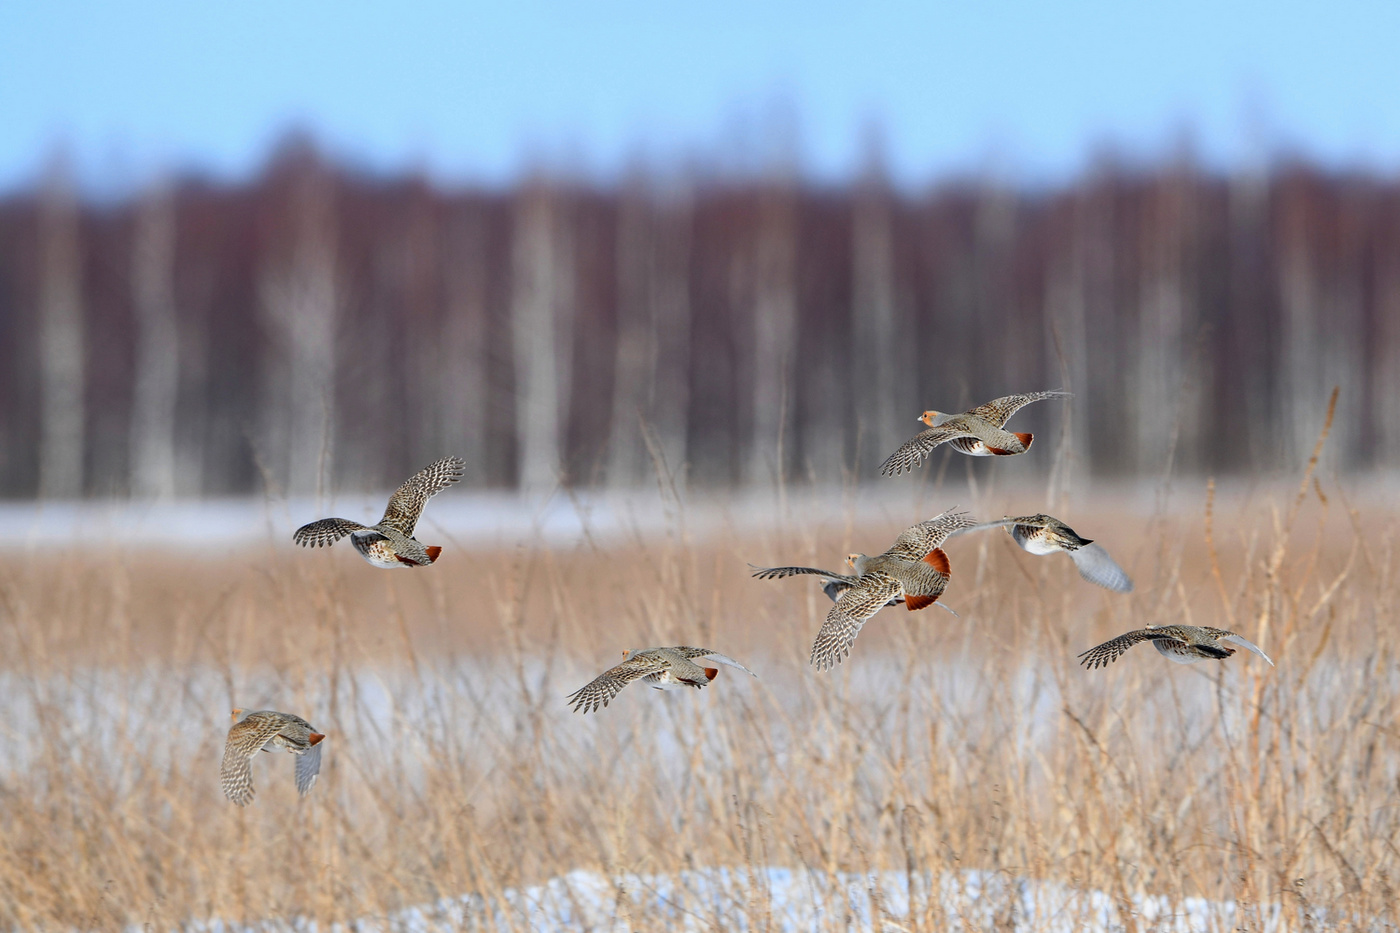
[
  {"x": 780, "y": 573},
  {"x": 1112, "y": 650},
  {"x": 1246, "y": 644},
  {"x": 245, "y": 740},
  {"x": 999, "y": 410},
  {"x": 983, "y": 526},
  {"x": 1098, "y": 568},
  {"x": 325, "y": 532},
  {"x": 599, "y": 691},
  {"x": 713, "y": 656},
  {"x": 308, "y": 767},
  {"x": 846, "y": 618},
  {"x": 920, "y": 446},
  {"x": 406, "y": 505},
  {"x": 916, "y": 541},
  {"x": 834, "y": 587}
]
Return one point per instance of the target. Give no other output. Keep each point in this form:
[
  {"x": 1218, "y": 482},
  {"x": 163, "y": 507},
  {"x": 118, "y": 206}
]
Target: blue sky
[{"x": 476, "y": 91}]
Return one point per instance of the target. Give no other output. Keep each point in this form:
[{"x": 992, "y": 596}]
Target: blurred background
[
  {"x": 260, "y": 262},
  {"x": 301, "y": 250}
]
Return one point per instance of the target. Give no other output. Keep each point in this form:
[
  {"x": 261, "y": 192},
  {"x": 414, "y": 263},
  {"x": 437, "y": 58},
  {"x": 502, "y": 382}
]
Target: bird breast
[
  {"x": 377, "y": 551},
  {"x": 1176, "y": 652},
  {"x": 1033, "y": 539},
  {"x": 970, "y": 446}
]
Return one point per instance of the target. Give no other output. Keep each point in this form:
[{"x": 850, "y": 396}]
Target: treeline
[{"x": 318, "y": 328}]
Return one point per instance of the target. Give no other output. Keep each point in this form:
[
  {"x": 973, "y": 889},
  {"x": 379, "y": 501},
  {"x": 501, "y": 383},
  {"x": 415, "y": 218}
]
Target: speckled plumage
[
  {"x": 833, "y": 584},
  {"x": 390, "y": 544},
  {"x": 914, "y": 569},
  {"x": 267, "y": 730},
  {"x": 978, "y": 432},
  {"x": 662, "y": 668},
  {"x": 1184, "y": 644}
]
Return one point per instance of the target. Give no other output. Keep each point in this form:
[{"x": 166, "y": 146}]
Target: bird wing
[
  {"x": 599, "y": 691},
  {"x": 1098, "y": 568},
  {"x": 245, "y": 740},
  {"x": 844, "y": 621},
  {"x": 406, "y": 504},
  {"x": 308, "y": 767},
  {"x": 780, "y": 573},
  {"x": 834, "y": 587},
  {"x": 983, "y": 526},
  {"x": 920, "y": 446},
  {"x": 713, "y": 656},
  {"x": 916, "y": 541},
  {"x": 1111, "y": 650},
  {"x": 1247, "y": 644},
  {"x": 999, "y": 410},
  {"x": 325, "y": 532}
]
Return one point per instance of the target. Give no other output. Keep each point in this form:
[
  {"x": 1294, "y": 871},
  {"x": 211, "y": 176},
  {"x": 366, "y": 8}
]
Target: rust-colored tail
[
  {"x": 315, "y": 737},
  {"x": 919, "y": 602},
  {"x": 433, "y": 552},
  {"x": 1025, "y": 440},
  {"x": 938, "y": 560},
  {"x": 711, "y": 673}
]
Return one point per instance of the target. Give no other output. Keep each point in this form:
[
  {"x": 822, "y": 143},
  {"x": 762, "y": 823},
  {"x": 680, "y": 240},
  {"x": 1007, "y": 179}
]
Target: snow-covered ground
[
  {"x": 466, "y": 517},
  {"x": 801, "y": 900}
]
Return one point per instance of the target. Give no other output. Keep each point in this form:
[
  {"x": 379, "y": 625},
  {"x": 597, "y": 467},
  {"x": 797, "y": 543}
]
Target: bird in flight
[
  {"x": 979, "y": 432},
  {"x": 662, "y": 668},
  {"x": 267, "y": 730},
  {"x": 390, "y": 543},
  {"x": 915, "y": 569},
  {"x": 1184, "y": 644},
  {"x": 1045, "y": 534}
]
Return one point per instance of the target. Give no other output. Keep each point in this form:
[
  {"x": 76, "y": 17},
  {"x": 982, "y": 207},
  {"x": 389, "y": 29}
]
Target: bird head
[
  {"x": 236, "y": 714},
  {"x": 856, "y": 562},
  {"x": 929, "y": 417}
]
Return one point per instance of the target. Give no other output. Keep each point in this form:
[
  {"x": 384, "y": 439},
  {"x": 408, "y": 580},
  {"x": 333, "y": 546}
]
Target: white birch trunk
[
  {"x": 670, "y": 296},
  {"x": 157, "y": 363},
  {"x": 1248, "y": 211},
  {"x": 1385, "y": 385},
  {"x": 634, "y": 365},
  {"x": 62, "y": 347},
  {"x": 540, "y": 303},
  {"x": 652, "y": 369},
  {"x": 463, "y": 385},
  {"x": 882, "y": 381},
  {"x": 774, "y": 315},
  {"x": 1166, "y": 394},
  {"x": 300, "y": 304},
  {"x": 1321, "y": 344}
]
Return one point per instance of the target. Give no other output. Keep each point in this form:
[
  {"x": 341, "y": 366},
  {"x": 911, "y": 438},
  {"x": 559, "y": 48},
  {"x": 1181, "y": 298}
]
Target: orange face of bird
[
  {"x": 929, "y": 417},
  {"x": 235, "y": 714},
  {"x": 851, "y": 560}
]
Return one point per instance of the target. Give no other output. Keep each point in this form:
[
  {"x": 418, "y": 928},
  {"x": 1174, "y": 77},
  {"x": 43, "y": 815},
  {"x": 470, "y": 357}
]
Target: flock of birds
[{"x": 913, "y": 571}]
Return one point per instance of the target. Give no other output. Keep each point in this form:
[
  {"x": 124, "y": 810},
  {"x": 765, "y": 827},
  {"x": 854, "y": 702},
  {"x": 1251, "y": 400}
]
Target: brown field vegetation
[{"x": 941, "y": 745}]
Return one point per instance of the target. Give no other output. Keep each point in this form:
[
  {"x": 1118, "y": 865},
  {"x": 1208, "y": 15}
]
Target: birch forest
[{"x": 320, "y": 328}]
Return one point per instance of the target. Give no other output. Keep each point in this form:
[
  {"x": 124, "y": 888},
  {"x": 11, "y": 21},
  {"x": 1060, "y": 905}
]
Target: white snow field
[{"x": 799, "y": 901}]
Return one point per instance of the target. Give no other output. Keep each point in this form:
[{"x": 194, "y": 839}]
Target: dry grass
[{"x": 454, "y": 767}]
